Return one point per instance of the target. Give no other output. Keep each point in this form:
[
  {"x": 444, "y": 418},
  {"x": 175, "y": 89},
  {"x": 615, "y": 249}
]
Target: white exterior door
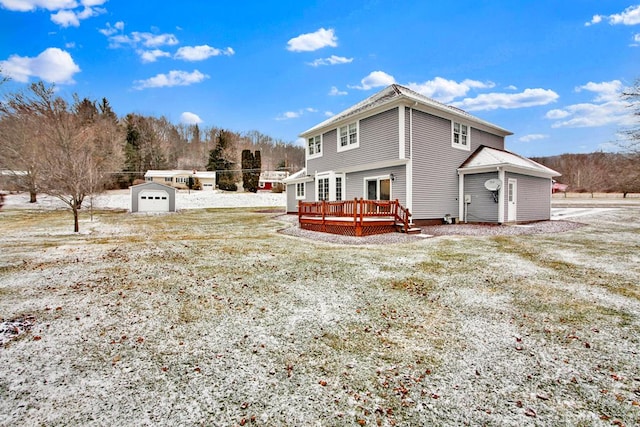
[
  {"x": 153, "y": 201},
  {"x": 512, "y": 200}
]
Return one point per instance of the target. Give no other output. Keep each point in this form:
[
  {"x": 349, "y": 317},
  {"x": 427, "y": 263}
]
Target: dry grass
[{"x": 212, "y": 317}]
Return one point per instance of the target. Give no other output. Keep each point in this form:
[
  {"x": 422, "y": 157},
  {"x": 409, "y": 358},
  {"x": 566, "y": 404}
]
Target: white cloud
[
  {"x": 606, "y": 108},
  {"x": 190, "y": 118},
  {"x": 289, "y": 115},
  {"x": 152, "y": 55},
  {"x": 606, "y": 91},
  {"x": 494, "y": 101},
  {"x": 595, "y": 20},
  {"x": 173, "y": 78},
  {"x": 30, "y": 5},
  {"x": 332, "y": 60},
  {"x": 200, "y": 53},
  {"x": 295, "y": 114},
  {"x": 66, "y": 11},
  {"x": 336, "y": 92},
  {"x": 111, "y": 30},
  {"x": 375, "y": 79},
  {"x": 630, "y": 16},
  {"x": 313, "y": 41},
  {"x": 66, "y": 18},
  {"x": 445, "y": 90},
  {"x": 53, "y": 65},
  {"x": 328, "y": 114},
  {"x": 146, "y": 39},
  {"x": 533, "y": 137}
]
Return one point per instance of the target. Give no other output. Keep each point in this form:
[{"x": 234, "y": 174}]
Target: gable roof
[
  {"x": 489, "y": 159},
  {"x": 396, "y": 94}
]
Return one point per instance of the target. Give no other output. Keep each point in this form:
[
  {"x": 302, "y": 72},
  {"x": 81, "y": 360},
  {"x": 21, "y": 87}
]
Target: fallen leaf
[
  {"x": 322, "y": 383},
  {"x": 37, "y": 338},
  {"x": 530, "y": 412},
  {"x": 115, "y": 359}
]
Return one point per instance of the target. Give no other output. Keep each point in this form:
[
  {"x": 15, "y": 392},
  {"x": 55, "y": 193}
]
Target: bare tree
[
  {"x": 78, "y": 147},
  {"x": 632, "y": 133}
]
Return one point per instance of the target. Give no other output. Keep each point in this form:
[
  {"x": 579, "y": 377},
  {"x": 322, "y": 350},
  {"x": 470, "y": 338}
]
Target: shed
[{"x": 153, "y": 197}]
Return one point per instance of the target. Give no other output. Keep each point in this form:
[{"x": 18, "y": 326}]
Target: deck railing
[{"x": 358, "y": 209}]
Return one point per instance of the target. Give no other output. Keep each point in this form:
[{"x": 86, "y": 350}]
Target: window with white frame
[
  {"x": 348, "y": 136},
  {"x": 323, "y": 189},
  {"x": 460, "y": 136},
  {"x": 314, "y": 146},
  {"x": 338, "y": 188},
  {"x": 300, "y": 190}
]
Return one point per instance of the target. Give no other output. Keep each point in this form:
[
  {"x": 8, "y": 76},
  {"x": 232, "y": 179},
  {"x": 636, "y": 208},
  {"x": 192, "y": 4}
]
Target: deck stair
[{"x": 357, "y": 217}]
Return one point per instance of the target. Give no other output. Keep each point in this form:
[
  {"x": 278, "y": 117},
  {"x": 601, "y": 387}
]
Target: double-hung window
[
  {"x": 348, "y": 136},
  {"x": 314, "y": 146},
  {"x": 460, "y": 136}
]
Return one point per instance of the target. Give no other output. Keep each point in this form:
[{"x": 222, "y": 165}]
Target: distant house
[
  {"x": 153, "y": 197},
  {"x": 180, "y": 178},
  {"x": 268, "y": 179},
  {"x": 438, "y": 161}
]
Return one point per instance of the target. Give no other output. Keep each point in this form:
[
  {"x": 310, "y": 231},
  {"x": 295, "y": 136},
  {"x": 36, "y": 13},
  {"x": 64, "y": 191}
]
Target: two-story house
[{"x": 438, "y": 161}]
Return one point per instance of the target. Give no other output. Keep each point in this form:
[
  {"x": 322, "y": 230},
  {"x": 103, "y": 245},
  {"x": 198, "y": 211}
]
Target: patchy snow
[
  {"x": 121, "y": 199},
  {"x": 212, "y": 317}
]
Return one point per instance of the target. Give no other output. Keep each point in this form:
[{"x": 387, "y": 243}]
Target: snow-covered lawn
[{"x": 213, "y": 317}]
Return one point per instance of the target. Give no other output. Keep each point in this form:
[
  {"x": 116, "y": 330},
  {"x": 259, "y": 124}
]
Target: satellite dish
[{"x": 493, "y": 184}]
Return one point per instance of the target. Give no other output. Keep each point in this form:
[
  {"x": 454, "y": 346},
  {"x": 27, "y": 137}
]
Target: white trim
[
  {"x": 460, "y": 145},
  {"x": 507, "y": 167},
  {"x": 460, "y": 195},
  {"x": 304, "y": 190},
  {"x": 401, "y": 132},
  {"x": 409, "y": 166},
  {"x": 501, "y": 176},
  {"x": 378, "y": 178},
  {"x": 314, "y": 155},
  {"x": 349, "y": 146},
  {"x": 514, "y": 203}
]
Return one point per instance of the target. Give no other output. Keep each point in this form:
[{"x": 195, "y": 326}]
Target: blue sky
[{"x": 549, "y": 71}]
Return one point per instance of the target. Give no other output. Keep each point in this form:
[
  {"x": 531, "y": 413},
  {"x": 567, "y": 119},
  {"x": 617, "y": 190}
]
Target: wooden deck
[{"x": 358, "y": 217}]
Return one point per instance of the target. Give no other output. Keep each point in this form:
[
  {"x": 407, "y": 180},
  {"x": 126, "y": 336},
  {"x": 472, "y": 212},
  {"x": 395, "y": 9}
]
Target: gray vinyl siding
[
  {"x": 482, "y": 208},
  {"x": 533, "y": 198},
  {"x": 378, "y": 141},
  {"x": 355, "y": 183},
  {"x": 309, "y": 195},
  {"x": 435, "y": 163},
  {"x": 292, "y": 203}
]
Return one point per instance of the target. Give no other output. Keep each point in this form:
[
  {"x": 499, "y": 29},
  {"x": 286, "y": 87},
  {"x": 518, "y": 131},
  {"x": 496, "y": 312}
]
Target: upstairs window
[
  {"x": 314, "y": 146},
  {"x": 348, "y": 136},
  {"x": 460, "y": 138}
]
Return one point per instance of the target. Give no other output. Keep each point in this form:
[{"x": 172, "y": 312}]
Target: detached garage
[{"x": 153, "y": 197}]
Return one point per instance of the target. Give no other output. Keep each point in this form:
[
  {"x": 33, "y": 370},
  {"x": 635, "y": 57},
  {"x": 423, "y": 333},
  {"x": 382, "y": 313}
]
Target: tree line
[
  {"x": 605, "y": 172},
  {"x": 596, "y": 172},
  {"x": 74, "y": 150}
]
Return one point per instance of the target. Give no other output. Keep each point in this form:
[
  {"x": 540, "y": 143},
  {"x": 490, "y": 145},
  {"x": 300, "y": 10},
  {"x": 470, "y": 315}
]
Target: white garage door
[{"x": 153, "y": 201}]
